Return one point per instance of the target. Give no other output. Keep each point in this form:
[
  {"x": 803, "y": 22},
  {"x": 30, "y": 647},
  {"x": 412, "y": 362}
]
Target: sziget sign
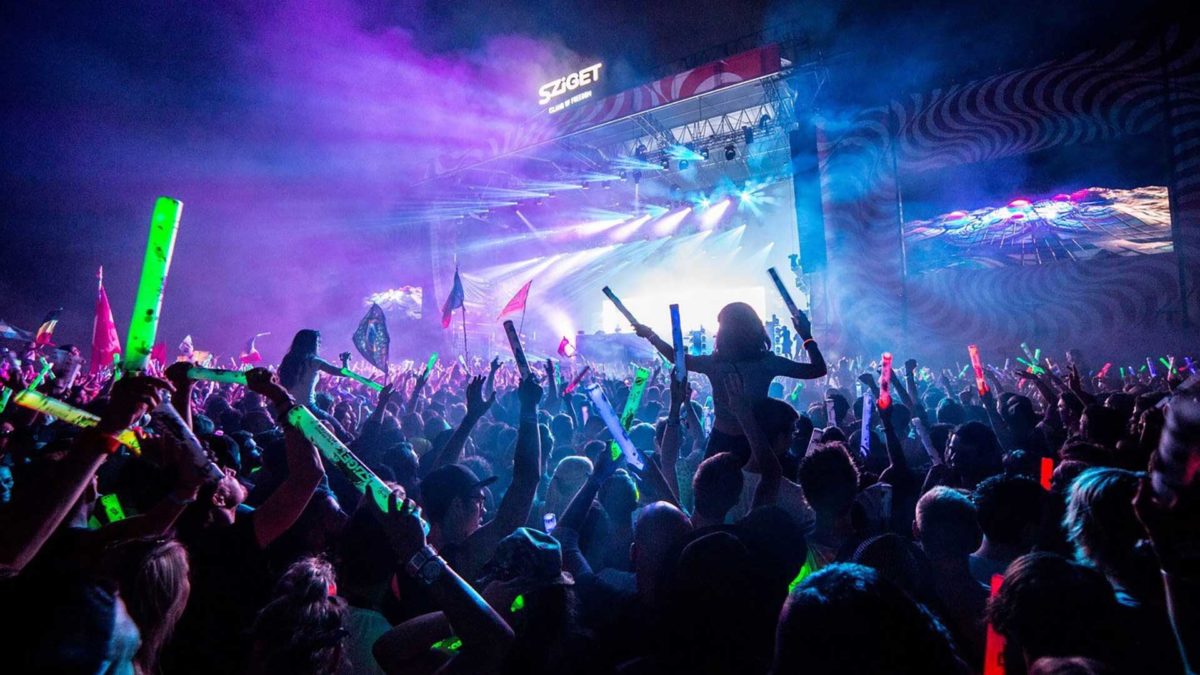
[{"x": 555, "y": 88}]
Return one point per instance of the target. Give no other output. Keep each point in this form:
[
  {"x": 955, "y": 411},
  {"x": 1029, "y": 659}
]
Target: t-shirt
[
  {"x": 790, "y": 498},
  {"x": 306, "y": 381},
  {"x": 365, "y": 627}
]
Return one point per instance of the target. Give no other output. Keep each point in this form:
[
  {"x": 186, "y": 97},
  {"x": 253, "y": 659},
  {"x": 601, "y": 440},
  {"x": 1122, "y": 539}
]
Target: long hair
[
  {"x": 302, "y": 630},
  {"x": 741, "y": 334},
  {"x": 304, "y": 347},
  {"x": 155, "y": 587}
]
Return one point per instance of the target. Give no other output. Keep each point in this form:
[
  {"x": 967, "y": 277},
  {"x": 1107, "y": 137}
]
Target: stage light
[
  {"x": 712, "y": 214},
  {"x": 626, "y": 231},
  {"x": 730, "y": 153},
  {"x": 666, "y": 163},
  {"x": 683, "y": 164},
  {"x": 704, "y": 153},
  {"x": 669, "y": 223},
  {"x": 584, "y": 185},
  {"x": 637, "y": 176},
  {"x": 640, "y": 152},
  {"x": 1019, "y": 203},
  {"x": 621, "y": 175},
  {"x": 748, "y": 134},
  {"x": 764, "y": 121}
]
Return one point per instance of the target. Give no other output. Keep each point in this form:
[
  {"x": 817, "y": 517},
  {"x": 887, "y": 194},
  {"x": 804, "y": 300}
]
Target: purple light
[
  {"x": 1080, "y": 195},
  {"x": 1062, "y": 197},
  {"x": 712, "y": 215},
  {"x": 1019, "y": 203},
  {"x": 955, "y": 215},
  {"x": 669, "y": 223}
]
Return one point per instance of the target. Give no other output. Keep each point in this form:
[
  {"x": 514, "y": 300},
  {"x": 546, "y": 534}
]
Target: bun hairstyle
[{"x": 302, "y": 629}]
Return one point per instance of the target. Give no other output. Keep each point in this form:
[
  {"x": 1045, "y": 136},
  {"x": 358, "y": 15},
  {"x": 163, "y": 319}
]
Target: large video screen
[{"x": 1084, "y": 202}]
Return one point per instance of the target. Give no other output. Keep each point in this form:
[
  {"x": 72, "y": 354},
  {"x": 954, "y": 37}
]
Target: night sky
[{"x": 293, "y": 130}]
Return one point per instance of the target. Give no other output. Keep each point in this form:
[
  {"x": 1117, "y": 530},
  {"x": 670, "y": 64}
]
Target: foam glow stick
[
  {"x": 600, "y": 402},
  {"x": 143, "y": 327},
  {"x": 830, "y": 413},
  {"x": 977, "y": 364},
  {"x": 1150, "y": 365},
  {"x": 885, "y": 380},
  {"x": 5, "y": 394},
  {"x": 1122, "y": 372},
  {"x": 575, "y": 380},
  {"x": 1166, "y": 364},
  {"x": 677, "y": 339},
  {"x": 993, "y": 654},
  {"x": 1187, "y": 359},
  {"x": 514, "y": 342},
  {"x": 112, "y": 508},
  {"x": 42, "y": 374},
  {"x": 1047, "y": 472},
  {"x": 810, "y": 564},
  {"x": 864, "y": 443},
  {"x": 451, "y": 645},
  {"x": 217, "y": 375},
  {"x": 783, "y": 291},
  {"x": 796, "y": 391},
  {"x": 518, "y": 602},
  {"x": 346, "y": 372},
  {"x": 69, "y": 414},
  {"x": 619, "y": 305},
  {"x": 1104, "y": 371},
  {"x": 640, "y": 377},
  {"x": 339, "y": 455},
  {"x": 433, "y": 358}
]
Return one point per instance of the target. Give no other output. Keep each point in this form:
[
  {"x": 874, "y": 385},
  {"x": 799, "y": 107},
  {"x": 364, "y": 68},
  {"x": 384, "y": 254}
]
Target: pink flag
[
  {"x": 518, "y": 301},
  {"x": 105, "y": 342},
  {"x": 158, "y": 353},
  {"x": 565, "y": 349}
]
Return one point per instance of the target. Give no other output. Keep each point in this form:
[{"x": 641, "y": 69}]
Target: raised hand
[
  {"x": 529, "y": 392},
  {"x": 477, "y": 405},
  {"x": 910, "y": 366},
  {"x": 264, "y": 382},
  {"x": 681, "y": 391},
  {"x": 402, "y": 525},
  {"x": 642, "y": 330},
  {"x": 177, "y": 374},
  {"x": 495, "y": 363},
  {"x": 802, "y": 325},
  {"x": 131, "y": 398}
]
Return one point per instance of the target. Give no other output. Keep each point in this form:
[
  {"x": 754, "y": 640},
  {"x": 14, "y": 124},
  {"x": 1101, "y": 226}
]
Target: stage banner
[{"x": 547, "y": 126}]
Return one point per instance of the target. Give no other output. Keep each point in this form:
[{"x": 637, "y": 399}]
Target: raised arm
[
  {"x": 681, "y": 393},
  {"x": 477, "y": 407},
  {"x": 181, "y": 398},
  {"x": 304, "y": 469},
  {"x": 34, "y": 514},
  {"x": 485, "y": 636},
  {"x": 514, "y": 507}
]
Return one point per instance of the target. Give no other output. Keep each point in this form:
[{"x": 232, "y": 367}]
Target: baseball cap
[
  {"x": 529, "y": 555},
  {"x": 443, "y": 484}
]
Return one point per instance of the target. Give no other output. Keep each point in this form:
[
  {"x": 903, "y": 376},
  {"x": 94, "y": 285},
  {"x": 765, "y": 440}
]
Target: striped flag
[
  {"x": 46, "y": 331},
  {"x": 454, "y": 301}
]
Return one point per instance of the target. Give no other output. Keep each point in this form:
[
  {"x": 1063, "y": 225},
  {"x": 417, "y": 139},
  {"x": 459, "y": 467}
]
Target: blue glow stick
[
  {"x": 864, "y": 443},
  {"x": 514, "y": 342},
  {"x": 677, "y": 338}
]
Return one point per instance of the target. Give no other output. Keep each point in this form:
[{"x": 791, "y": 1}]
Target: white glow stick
[
  {"x": 864, "y": 443},
  {"x": 600, "y": 402},
  {"x": 514, "y": 341}
]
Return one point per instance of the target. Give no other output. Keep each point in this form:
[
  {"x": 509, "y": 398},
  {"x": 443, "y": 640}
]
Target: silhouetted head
[{"x": 741, "y": 334}]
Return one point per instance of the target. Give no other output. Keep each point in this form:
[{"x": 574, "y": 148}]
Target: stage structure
[{"x": 678, "y": 191}]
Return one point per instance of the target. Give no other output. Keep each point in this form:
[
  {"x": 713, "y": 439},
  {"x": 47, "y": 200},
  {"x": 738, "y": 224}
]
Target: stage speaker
[{"x": 806, "y": 192}]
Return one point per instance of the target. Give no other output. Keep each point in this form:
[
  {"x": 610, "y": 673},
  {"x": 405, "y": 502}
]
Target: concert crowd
[{"x": 761, "y": 514}]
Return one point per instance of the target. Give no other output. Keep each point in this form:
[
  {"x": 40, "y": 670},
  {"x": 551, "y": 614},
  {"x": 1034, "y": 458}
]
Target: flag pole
[{"x": 463, "y": 308}]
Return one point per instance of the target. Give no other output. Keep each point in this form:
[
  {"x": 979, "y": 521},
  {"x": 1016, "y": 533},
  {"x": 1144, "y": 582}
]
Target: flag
[
  {"x": 518, "y": 301},
  {"x": 46, "y": 330},
  {"x": 565, "y": 349},
  {"x": 250, "y": 352},
  {"x": 454, "y": 301},
  {"x": 371, "y": 338},
  {"x": 105, "y": 342},
  {"x": 186, "y": 348}
]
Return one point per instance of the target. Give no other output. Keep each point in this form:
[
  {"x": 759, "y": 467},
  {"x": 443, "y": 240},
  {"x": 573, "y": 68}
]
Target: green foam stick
[
  {"x": 517, "y": 605},
  {"x": 41, "y": 376},
  {"x": 5, "y": 394},
  {"x": 340, "y": 456},
  {"x": 346, "y": 372},
  {"x": 112, "y": 508},
  {"x": 69, "y": 414},
  {"x": 217, "y": 375},
  {"x": 431, "y": 362},
  {"x": 641, "y": 375},
  {"x": 143, "y": 327},
  {"x": 810, "y": 564},
  {"x": 450, "y": 645}
]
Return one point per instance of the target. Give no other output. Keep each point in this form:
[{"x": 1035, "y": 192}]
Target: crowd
[{"x": 864, "y": 522}]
